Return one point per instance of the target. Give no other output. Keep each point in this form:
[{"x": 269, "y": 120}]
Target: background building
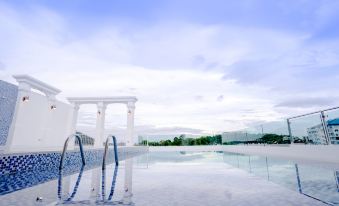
[
  {"x": 333, "y": 130},
  {"x": 316, "y": 134},
  {"x": 85, "y": 139}
]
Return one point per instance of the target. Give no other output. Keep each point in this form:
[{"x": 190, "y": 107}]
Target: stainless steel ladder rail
[
  {"x": 103, "y": 185},
  {"x": 115, "y": 152},
  {"x": 75, "y": 189},
  {"x": 65, "y": 148}
]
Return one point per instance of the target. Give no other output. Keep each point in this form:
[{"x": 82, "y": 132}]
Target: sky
[{"x": 198, "y": 67}]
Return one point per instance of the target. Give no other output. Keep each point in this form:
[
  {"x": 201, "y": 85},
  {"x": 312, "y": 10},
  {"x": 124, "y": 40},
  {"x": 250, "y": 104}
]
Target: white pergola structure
[{"x": 102, "y": 103}]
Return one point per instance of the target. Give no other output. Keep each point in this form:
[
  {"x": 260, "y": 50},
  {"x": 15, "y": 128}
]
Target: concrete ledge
[
  {"x": 209, "y": 148},
  {"x": 311, "y": 153}
]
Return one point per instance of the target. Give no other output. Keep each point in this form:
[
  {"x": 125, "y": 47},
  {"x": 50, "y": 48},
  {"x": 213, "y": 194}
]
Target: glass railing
[
  {"x": 332, "y": 121},
  {"x": 315, "y": 128},
  {"x": 317, "y": 182},
  {"x": 319, "y": 128},
  {"x": 267, "y": 133},
  {"x": 308, "y": 129}
]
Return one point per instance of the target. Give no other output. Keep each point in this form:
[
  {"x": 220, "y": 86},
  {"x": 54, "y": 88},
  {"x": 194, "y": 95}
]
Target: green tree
[{"x": 177, "y": 141}]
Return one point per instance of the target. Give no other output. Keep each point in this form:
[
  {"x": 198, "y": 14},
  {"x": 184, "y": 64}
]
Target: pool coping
[{"x": 123, "y": 148}]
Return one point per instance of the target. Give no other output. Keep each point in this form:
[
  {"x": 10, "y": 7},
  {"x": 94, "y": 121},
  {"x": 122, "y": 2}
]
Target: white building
[
  {"x": 38, "y": 121},
  {"x": 316, "y": 133}
]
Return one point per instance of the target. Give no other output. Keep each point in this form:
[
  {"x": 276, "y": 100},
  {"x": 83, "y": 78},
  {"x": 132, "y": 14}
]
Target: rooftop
[{"x": 333, "y": 122}]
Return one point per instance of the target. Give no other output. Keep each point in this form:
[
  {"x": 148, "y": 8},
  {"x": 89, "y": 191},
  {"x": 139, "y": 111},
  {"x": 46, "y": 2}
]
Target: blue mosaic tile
[
  {"x": 25, "y": 170},
  {"x": 24, "y": 162},
  {"x": 8, "y": 97}
]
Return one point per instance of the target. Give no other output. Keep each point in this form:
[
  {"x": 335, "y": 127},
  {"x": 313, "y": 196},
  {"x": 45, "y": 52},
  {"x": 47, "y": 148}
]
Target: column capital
[
  {"x": 130, "y": 105},
  {"x": 51, "y": 97},
  {"x": 101, "y": 106},
  {"x": 27, "y": 82},
  {"x": 76, "y": 106},
  {"x": 24, "y": 87}
]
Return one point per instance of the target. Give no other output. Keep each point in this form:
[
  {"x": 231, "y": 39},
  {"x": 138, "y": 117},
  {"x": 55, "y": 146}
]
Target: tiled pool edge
[
  {"x": 18, "y": 162},
  {"x": 20, "y": 180}
]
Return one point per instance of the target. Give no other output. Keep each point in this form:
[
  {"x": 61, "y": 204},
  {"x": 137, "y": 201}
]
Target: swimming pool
[{"x": 177, "y": 178}]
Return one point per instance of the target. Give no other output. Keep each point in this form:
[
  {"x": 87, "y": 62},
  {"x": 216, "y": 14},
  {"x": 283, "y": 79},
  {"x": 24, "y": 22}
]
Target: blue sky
[{"x": 196, "y": 66}]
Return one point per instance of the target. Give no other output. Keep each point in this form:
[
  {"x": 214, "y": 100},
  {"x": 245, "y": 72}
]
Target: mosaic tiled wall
[
  {"x": 19, "y": 171},
  {"x": 24, "y": 162},
  {"x": 8, "y": 96}
]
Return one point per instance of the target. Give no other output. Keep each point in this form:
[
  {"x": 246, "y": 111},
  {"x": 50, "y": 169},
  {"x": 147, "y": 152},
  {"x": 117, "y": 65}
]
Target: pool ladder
[
  {"x": 82, "y": 151},
  {"x": 65, "y": 148},
  {"x": 106, "y": 149}
]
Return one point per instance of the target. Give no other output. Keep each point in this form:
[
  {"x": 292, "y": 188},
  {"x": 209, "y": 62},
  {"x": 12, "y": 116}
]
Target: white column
[
  {"x": 127, "y": 199},
  {"x": 24, "y": 91},
  {"x": 100, "y": 125},
  {"x": 73, "y": 127},
  {"x": 130, "y": 123},
  {"x": 76, "y": 108}
]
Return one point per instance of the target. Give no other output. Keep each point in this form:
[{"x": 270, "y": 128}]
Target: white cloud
[{"x": 236, "y": 72}]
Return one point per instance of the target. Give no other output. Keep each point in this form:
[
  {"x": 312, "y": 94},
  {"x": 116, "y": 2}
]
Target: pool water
[
  {"x": 320, "y": 182},
  {"x": 181, "y": 178}
]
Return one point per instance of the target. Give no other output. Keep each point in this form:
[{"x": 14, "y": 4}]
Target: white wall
[{"x": 36, "y": 127}]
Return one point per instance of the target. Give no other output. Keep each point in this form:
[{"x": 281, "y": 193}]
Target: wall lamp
[
  {"x": 25, "y": 98},
  {"x": 53, "y": 107}
]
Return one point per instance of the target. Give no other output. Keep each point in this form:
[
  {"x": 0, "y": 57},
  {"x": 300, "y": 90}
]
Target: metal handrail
[
  {"x": 324, "y": 110},
  {"x": 115, "y": 152},
  {"x": 65, "y": 148}
]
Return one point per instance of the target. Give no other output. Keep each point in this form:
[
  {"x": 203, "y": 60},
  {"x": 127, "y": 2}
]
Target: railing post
[
  {"x": 324, "y": 124},
  {"x": 289, "y": 130},
  {"x": 298, "y": 178}
]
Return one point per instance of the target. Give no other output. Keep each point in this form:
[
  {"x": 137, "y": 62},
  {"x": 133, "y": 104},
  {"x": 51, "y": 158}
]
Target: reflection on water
[
  {"x": 336, "y": 176},
  {"x": 188, "y": 177},
  {"x": 99, "y": 197},
  {"x": 127, "y": 199},
  {"x": 313, "y": 181},
  {"x": 75, "y": 189},
  {"x": 316, "y": 182},
  {"x": 103, "y": 184}
]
